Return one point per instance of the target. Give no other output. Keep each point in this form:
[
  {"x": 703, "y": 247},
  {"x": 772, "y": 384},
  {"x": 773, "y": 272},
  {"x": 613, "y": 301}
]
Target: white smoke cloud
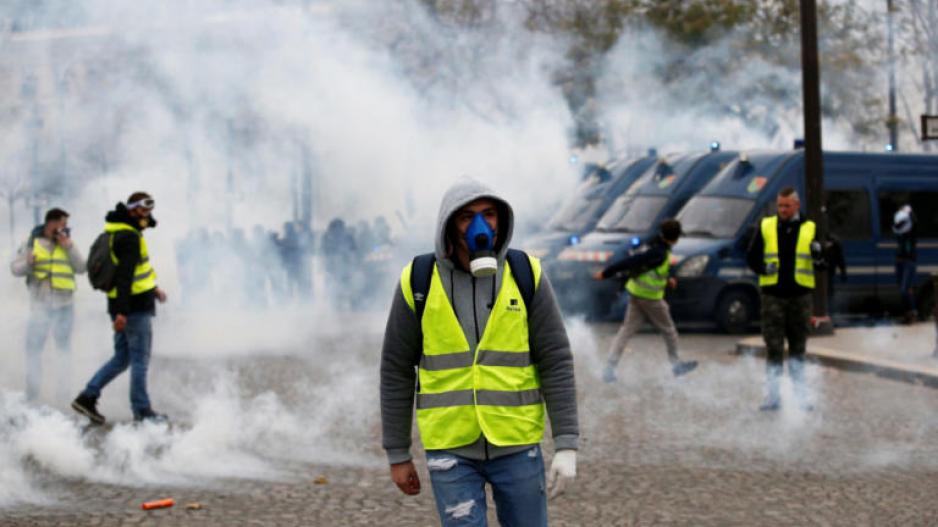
[{"x": 224, "y": 434}]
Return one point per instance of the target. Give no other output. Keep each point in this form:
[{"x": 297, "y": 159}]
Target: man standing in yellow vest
[
  {"x": 783, "y": 253},
  {"x": 49, "y": 261},
  {"x": 132, "y": 306},
  {"x": 650, "y": 275},
  {"x": 479, "y": 362}
]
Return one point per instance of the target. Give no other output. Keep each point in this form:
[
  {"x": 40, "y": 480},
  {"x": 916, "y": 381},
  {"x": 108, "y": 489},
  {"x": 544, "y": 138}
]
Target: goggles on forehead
[{"x": 145, "y": 203}]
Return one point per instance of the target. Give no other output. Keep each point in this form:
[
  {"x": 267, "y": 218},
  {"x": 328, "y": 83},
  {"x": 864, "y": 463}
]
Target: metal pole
[
  {"x": 813, "y": 162},
  {"x": 35, "y": 186},
  {"x": 11, "y": 200},
  {"x": 893, "y": 121},
  {"x": 306, "y": 209}
]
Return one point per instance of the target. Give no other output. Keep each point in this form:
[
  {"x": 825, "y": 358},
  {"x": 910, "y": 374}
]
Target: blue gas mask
[{"x": 481, "y": 241}]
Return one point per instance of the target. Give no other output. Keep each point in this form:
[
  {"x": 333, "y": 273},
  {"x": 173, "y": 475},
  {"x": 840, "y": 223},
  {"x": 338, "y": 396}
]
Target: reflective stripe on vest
[
  {"x": 492, "y": 390},
  {"x": 144, "y": 274},
  {"x": 651, "y": 284},
  {"x": 804, "y": 263},
  {"x": 54, "y": 266}
]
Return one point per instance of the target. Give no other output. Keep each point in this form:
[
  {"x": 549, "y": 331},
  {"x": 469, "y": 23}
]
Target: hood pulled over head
[{"x": 460, "y": 194}]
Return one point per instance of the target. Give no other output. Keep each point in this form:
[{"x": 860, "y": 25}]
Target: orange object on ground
[{"x": 158, "y": 504}]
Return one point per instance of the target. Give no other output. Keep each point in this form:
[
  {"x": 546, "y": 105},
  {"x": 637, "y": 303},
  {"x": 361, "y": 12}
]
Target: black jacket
[
  {"x": 649, "y": 259},
  {"x": 127, "y": 250},
  {"x": 787, "y": 241}
]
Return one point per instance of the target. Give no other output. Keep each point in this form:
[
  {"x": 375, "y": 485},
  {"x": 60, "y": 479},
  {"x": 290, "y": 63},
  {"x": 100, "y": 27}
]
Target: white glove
[{"x": 562, "y": 472}]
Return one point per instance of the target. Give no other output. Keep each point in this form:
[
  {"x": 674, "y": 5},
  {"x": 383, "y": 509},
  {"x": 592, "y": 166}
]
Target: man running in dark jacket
[{"x": 649, "y": 273}]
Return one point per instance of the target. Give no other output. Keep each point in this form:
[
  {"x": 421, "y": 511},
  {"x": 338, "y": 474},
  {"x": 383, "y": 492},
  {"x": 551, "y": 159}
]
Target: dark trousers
[
  {"x": 905, "y": 277},
  {"x": 785, "y": 319}
]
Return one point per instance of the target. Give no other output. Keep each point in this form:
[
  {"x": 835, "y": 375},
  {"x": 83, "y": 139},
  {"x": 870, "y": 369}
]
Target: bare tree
[
  {"x": 13, "y": 188},
  {"x": 921, "y": 17}
]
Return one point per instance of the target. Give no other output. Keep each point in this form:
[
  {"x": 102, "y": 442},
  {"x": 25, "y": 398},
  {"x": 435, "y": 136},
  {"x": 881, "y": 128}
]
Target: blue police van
[
  {"x": 659, "y": 193},
  {"x": 582, "y": 210},
  {"x": 862, "y": 192}
]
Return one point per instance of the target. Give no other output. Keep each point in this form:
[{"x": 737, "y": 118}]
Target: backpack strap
[
  {"x": 420, "y": 274},
  {"x": 524, "y": 275},
  {"x": 422, "y": 271},
  {"x": 29, "y": 247}
]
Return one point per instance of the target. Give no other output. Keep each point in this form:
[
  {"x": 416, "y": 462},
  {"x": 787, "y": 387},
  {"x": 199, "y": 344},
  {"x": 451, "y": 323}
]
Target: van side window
[
  {"x": 848, "y": 213},
  {"x": 923, "y": 206}
]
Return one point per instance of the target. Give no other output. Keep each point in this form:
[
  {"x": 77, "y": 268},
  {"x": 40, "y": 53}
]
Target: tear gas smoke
[{"x": 235, "y": 115}]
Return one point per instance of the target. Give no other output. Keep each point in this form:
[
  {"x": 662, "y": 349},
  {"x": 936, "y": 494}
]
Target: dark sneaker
[
  {"x": 609, "y": 375},
  {"x": 770, "y": 405},
  {"x": 683, "y": 368},
  {"x": 87, "y": 406},
  {"x": 150, "y": 416}
]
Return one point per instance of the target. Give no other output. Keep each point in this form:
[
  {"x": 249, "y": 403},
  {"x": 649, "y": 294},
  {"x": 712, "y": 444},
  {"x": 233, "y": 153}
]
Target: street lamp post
[
  {"x": 813, "y": 161},
  {"x": 893, "y": 119}
]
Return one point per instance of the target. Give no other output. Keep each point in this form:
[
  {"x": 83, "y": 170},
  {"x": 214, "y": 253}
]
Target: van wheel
[{"x": 735, "y": 311}]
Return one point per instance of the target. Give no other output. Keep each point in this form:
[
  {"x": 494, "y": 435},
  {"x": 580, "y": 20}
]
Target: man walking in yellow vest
[
  {"x": 476, "y": 343},
  {"x": 132, "y": 306},
  {"x": 49, "y": 261},
  {"x": 783, "y": 253},
  {"x": 650, "y": 275}
]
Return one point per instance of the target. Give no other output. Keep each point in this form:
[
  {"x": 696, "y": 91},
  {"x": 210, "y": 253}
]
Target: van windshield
[
  {"x": 618, "y": 209},
  {"x": 632, "y": 214},
  {"x": 714, "y": 216},
  {"x": 577, "y": 215}
]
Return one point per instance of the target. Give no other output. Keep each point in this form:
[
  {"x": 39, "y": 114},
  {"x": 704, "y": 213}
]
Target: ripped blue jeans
[{"x": 517, "y": 482}]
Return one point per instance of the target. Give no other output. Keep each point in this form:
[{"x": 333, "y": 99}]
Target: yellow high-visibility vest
[
  {"x": 651, "y": 284},
  {"x": 144, "y": 274},
  {"x": 493, "y": 389},
  {"x": 804, "y": 263},
  {"x": 54, "y": 266}
]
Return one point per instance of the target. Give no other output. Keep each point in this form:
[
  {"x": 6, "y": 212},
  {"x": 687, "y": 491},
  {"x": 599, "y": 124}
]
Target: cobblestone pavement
[{"x": 655, "y": 451}]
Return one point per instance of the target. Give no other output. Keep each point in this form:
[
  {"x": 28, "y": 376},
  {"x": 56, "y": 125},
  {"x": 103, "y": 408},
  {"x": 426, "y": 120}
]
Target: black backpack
[
  {"x": 422, "y": 271},
  {"x": 29, "y": 247},
  {"x": 101, "y": 269}
]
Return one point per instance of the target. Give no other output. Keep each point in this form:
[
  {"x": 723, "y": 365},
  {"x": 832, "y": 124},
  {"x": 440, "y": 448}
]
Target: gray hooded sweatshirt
[{"x": 472, "y": 299}]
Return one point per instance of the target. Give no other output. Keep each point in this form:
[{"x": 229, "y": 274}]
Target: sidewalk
[{"x": 899, "y": 352}]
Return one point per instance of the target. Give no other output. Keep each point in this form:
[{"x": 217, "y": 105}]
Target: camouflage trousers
[{"x": 785, "y": 319}]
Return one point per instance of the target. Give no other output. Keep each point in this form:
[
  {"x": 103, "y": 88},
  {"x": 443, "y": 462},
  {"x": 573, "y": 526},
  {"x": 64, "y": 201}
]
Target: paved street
[{"x": 292, "y": 438}]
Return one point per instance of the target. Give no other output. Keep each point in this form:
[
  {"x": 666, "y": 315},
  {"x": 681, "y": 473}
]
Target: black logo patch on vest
[{"x": 513, "y": 305}]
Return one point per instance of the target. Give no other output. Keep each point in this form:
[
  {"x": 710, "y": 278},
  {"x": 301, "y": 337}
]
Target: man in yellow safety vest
[
  {"x": 49, "y": 260},
  {"x": 475, "y": 341},
  {"x": 650, "y": 275},
  {"x": 783, "y": 253},
  {"x": 132, "y": 306}
]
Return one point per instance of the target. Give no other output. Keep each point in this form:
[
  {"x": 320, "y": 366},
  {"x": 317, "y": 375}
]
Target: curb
[{"x": 853, "y": 362}]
